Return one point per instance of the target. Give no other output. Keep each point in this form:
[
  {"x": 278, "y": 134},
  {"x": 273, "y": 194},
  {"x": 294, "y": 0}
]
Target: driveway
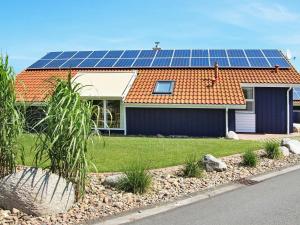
[{"x": 271, "y": 202}]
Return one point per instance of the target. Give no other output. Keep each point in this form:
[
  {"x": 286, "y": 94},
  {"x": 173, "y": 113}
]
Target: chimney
[
  {"x": 216, "y": 72},
  {"x": 276, "y": 68},
  {"x": 156, "y": 47}
]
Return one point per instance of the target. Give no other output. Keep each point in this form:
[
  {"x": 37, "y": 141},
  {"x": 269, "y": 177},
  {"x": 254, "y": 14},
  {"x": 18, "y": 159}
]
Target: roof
[{"x": 192, "y": 86}]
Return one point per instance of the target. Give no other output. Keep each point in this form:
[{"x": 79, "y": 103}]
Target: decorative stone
[
  {"x": 296, "y": 127},
  {"x": 211, "y": 163},
  {"x": 113, "y": 180},
  {"x": 292, "y": 145},
  {"x": 232, "y": 135},
  {"x": 36, "y": 192},
  {"x": 285, "y": 151}
]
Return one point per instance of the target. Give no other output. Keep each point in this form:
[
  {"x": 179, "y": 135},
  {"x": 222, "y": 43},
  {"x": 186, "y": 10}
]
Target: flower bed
[{"x": 101, "y": 201}]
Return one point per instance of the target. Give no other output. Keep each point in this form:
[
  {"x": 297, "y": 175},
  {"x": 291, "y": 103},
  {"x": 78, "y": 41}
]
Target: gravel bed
[{"x": 101, "y": 201}]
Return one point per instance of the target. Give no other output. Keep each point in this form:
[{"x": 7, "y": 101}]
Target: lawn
[{"x": 114, "y": 153}]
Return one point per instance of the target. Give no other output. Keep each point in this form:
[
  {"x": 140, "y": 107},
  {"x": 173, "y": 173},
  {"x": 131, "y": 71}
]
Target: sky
[{"x": 31, "y": 28}]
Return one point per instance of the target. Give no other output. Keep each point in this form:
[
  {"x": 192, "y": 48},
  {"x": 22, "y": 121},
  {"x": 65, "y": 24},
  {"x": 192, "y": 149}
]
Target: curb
[{"x": 138, "y": 214}]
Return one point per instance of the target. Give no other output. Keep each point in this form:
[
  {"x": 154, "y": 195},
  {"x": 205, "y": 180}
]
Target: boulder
[
  {"x": 113, "y": 180},
  {"x": 232, "y": 135},
  {"x": 36, "y": 192},
  {"x": 285, "y": 151},
  {"x": 292, "y": 145},
  {"x": 296, "y": 127},
  {"x": 211, "y": 163}
]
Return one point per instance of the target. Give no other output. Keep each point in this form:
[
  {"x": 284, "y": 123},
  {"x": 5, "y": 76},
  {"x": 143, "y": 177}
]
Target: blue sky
[{"x": 31, "y": 28}]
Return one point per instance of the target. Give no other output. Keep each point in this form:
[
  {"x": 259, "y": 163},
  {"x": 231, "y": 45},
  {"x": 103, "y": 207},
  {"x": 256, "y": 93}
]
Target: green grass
[{"x": 116, "y": 153}]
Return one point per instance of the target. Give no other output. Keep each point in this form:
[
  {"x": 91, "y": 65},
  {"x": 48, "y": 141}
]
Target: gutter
[{"x": 288, "y": 110}]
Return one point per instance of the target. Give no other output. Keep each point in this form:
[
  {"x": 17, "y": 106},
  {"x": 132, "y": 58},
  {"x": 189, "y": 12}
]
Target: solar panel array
[{"x": 178, "y": 58}]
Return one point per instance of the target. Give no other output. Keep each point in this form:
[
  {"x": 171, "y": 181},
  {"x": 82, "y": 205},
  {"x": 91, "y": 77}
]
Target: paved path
[{"x": 272, "y": 202}]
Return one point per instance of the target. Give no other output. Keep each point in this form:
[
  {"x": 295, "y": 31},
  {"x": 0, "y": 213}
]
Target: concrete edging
[{"x": 137, "y": 215}]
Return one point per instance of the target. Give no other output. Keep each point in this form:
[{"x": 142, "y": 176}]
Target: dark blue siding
[
  {"x": 271, "y": 110},
  {"x": 189, "y": 122},
  {"x": 231, "y": 120},
  {"x": 296, "y": 117}
]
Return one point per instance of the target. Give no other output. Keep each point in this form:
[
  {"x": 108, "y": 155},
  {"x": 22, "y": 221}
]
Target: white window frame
[
  {"x": 172, "y": 82},
  {"x": 249, "y": 100}
]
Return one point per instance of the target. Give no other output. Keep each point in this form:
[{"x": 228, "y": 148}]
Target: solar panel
[
  {"x": 161, "y": 62},
  {"x": 238, "y": 62},
  {"x": 106, "y": 63},
  {"x": 113, "y": 54},
  {"x": 82, "y": 54},
  {"x": 217, "y": 53},
  {"x": 235, "y": 58},
  {"x": 56, "y": 63},
  {"x": 145, "y": 62},
  {"x": 200, "y": 62},
  {"x": 222, "y": 62},
  {"x": 39, "y": 64},
  {"x": 71, "y": 63},
  {"x": 182, "y": 53},
  {"x": 124, "y": 63},
  {"x": 51, "y": 55},
  {"x": 258, "y": 62},
  {"x": 180, "y": 62},
  {"x": 88, "y": 63},
  {"x": 235, "y": 53},
  {"x": 164, "y": 53},
  {"x": 98, "y": 54},
  {"x": 281, "y": 62},
  {"x": 272, "y": 53},
  {"x": 199, "y": 53},
  {"x": 66, "y": 55},
  {"x": 130, "y": 54},
  {"x": 253, "y": 53}
]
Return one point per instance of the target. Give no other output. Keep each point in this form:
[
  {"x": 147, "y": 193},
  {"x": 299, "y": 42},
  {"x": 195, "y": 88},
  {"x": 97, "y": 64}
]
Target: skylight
[{"x": 164, "y": 87}]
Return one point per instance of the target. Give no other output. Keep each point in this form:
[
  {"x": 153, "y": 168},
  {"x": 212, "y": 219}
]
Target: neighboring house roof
[
  {"x": 296, "y": 102},
  {"x": 192, "y": 86}
]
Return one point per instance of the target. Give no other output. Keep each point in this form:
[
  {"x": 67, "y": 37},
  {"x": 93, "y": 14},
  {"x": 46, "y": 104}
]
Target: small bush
[
  {"x": 137, "y": 179},
  {"x": 250, "y": 158},
  {"x": 272, "y": 150},
  {"x": 192, "y": 168}
]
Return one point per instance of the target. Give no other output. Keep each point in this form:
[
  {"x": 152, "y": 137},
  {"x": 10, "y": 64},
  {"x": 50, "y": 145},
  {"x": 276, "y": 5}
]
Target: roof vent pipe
[
  {"x": 216, "y": 71},
  {"x": 276, "y": 68},
  {"x": 156, "y": 47}
]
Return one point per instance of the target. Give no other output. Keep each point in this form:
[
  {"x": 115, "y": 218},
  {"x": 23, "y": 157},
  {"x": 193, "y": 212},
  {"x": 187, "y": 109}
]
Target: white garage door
[{"x": 245, "y": 122}]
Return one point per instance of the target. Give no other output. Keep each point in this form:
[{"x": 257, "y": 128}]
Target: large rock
[
  {"x": 292, "y": 145},
  {"x": 211, "y": 163},
  {"x": 285, "y": 151},
  {"x": 232, "y": 135},
  {"x": 113, "y": 180},
  {"x": 36, "y": 192}
]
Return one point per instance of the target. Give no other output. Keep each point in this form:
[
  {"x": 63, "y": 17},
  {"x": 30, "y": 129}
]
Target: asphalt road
[{"x": 271, "y": 202}]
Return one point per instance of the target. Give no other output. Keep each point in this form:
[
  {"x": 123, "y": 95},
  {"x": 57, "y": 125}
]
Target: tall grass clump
[
  {"x": 192, "y": 168},
  {"x": 136, "y": 180},
  {"x": 67, "y": 128},
  {"x": 272, "y": 149},
  {"x": 11, "y": 119},
  {"x": 250, "y": 158}
]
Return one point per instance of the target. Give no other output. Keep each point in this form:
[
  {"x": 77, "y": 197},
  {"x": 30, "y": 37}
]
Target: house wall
[
  {"x": 170, "y": 121},
  {"x": 271, "y": 110}
]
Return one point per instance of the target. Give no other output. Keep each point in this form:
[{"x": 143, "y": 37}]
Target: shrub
[
  {"x": 11, "y": 119},
  {"x": 250, "y": 158},
  {"x": 272, "y": 150},
  {"x": 136, "y": 180},
  {"x": 68, "y": 126},
  {"x": 192, "y": 168}
]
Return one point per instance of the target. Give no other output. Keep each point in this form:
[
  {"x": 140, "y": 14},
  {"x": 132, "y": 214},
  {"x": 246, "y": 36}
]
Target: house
[{"x": 196, "y": 92}]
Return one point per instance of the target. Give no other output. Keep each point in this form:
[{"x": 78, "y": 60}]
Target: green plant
[
  {"x": 11, "y": 119},
  {"x": 136, "y": 180},
  {"x": 192, "y": 168},
  {"x": 68, "y": 126},
  {"x": 272, "y": 149},
  {"x": 250, "y": 158}
]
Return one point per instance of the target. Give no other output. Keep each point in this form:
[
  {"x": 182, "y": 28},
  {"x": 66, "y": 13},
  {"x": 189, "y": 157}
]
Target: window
[
  {"x": 249, "y": 97},
  {"x": 164, "y": 87}
]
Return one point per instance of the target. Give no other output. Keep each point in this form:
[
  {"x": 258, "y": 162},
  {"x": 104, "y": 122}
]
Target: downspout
[
  {"x": 288, "y": 111},
  {"x": 226, "y": 120}
]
